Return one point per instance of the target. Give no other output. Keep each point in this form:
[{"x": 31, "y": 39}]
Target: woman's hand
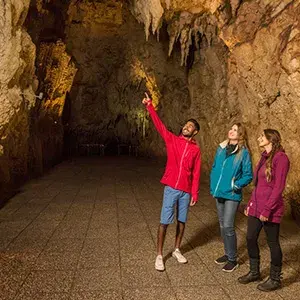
[
  {"x": 246, "y": 211},
  {"x": 263, "y": 218}
]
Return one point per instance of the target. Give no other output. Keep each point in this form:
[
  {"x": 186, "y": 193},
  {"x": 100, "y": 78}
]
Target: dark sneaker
[
  {"x": 230, "y": 266},
  {"x": 221, "y": 260}
]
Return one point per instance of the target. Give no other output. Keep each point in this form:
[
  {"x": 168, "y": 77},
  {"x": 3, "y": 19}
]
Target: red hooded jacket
[{"x": 183, "y": 159}]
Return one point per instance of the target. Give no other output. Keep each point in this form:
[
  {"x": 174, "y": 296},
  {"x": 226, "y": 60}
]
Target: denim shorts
[{"x": 173, "y": 197}]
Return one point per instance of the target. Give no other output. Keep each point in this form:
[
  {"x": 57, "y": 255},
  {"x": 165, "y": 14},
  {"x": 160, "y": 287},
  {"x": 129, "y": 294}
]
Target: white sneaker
[
  {"x": 159, "y": 263},
  {"x": 180, "y": 258}
]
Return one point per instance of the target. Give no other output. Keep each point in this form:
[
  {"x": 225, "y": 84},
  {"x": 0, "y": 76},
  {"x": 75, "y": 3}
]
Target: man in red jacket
[{"x": 181, "y": 180}]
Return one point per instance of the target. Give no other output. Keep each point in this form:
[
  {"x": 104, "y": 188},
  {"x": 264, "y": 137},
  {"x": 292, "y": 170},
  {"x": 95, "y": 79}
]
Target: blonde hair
[
  {"x": 242, "y": 140},
  {"x": 242, "y": 135}
]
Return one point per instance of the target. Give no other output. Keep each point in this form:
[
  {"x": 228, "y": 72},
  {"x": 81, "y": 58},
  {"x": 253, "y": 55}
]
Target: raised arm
[{"x": 159, "y": 125}]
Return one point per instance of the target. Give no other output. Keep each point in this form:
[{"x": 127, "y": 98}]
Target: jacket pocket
[
  {"x": 235, "y": 189},
  {"x": 232, "y": 183}
]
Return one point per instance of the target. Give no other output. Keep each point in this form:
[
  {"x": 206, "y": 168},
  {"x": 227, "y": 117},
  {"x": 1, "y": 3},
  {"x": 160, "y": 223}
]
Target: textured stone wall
[
  {"x": 240, "y": 63},
  {"x": 264, "y": 73},
  {"x": 116, "y": 65},
  {"x": 56, "y": 72},
  {"x": 246, "y": 67},
  {"x": 17, "y": 86},
  {"x": 218, "y": 61},
  {"x": 31, "y": 129}
]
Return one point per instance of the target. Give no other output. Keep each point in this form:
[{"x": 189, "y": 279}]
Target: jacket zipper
[
  {"x": 180, "y": 168},
  {"x": 220, "y": 177}
]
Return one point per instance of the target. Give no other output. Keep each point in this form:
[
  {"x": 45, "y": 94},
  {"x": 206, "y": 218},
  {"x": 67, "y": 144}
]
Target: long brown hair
[
  {"x": 242, "y": 134},
  {"x": 242, "y": 140},
  {"x": 273, "y": 136}
]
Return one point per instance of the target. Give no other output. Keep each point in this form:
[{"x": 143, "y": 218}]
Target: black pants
[{"x": 272, "y": 233}]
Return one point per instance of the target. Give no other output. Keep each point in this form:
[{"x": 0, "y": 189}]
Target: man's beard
[{"x": 187, "y": 134}]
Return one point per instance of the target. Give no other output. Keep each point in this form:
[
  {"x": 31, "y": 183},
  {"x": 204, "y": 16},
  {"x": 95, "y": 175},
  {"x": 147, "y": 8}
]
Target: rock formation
[
  {"x": 17, "y": 92},
  {"x": 220, "y": 61},
  {"x": 247, "y": 66},
  {"x": 116, "y": 67},
  {"x": 31, "y": 128}
]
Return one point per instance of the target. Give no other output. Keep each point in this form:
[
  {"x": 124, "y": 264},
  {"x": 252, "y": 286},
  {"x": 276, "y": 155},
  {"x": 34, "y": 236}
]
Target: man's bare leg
[
  {"x": 161, "y": 234},
  {"x": 179, "y": 234}
]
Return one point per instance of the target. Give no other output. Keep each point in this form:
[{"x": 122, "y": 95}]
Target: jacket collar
[
  {"x": 265, "y": 154},
  {"x": 190, "y": 141},
  {"x": 225, "y": 143}
]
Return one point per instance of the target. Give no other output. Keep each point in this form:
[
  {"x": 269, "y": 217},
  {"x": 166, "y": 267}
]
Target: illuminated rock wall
[
  {"x": 246, "y": 66},
  {"x": 17, "y": 93},
  {"x": 218, "y": 61},
  {"x": 116, "y": 65},
  {"x": 31, "y": 129},
  {"x": 56, "y": 72}
]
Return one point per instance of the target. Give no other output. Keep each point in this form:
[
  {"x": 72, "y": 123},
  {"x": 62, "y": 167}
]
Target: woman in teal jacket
[{"x": 231, "y": 171}]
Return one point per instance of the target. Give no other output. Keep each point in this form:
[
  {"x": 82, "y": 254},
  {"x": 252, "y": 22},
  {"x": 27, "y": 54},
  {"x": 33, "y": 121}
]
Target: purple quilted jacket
[{"x": 266, "y": 198}]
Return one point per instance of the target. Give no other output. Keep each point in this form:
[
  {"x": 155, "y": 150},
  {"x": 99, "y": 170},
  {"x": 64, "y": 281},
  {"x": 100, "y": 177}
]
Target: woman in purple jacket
[{"x": 265, "y": 209}]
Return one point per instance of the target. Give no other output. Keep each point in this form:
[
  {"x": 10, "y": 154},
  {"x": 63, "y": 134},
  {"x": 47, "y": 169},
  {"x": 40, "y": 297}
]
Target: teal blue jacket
[{"x": 230, "y": 174}]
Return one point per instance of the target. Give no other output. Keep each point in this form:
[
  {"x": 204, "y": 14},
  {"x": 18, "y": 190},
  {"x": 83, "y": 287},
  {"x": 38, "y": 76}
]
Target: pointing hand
[{"x": 147, "y": 100}]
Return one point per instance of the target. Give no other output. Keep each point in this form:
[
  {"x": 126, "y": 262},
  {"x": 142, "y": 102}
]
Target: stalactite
[
  {"x": 185, "y": 26},
  {"x": 177, "y": 27},
  {"x": 185, "y": 42},
  {"x": 168, "y": 3},
  {"x": 148, "y": 12}
]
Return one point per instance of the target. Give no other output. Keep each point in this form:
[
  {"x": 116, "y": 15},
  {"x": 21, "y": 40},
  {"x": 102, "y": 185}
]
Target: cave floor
[{"x": 87, "y": 230}]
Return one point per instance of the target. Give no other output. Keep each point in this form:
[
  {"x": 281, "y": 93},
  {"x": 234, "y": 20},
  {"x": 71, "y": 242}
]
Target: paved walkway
[{"x": 87, "y": 230}]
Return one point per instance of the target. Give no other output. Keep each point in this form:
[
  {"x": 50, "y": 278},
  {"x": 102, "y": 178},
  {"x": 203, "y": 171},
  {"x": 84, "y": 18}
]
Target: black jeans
[{"x": 272, "y": 232}]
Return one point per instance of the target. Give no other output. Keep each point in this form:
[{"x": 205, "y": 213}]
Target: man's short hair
[{"x": 196, "y": 124}]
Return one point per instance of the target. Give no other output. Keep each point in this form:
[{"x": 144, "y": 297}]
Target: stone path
[{"x": 87, "y": 230}]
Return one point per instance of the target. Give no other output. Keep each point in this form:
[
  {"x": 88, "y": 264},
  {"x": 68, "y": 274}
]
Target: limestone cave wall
[
  {"x": 55, "y": 70},
  {"x": 239, "y": 62},
  {"x": 218, "y": 61},
  {"x": 116, "y": 65},
  {"x": 246, "y": 66},
  {"x": 264, "y": 73},
  {"x": 17, "y": 93},
  {"x": 31, "y": 127}
]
